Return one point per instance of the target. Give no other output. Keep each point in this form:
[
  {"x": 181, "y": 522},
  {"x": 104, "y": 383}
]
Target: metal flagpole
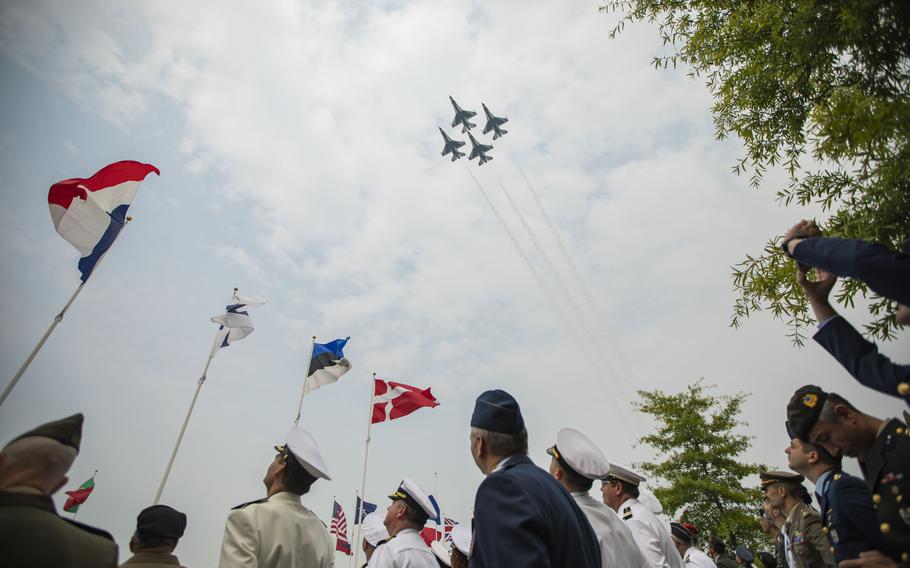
[
  {"x": 189, "y": 412},
  {"x": 363, "y": 483},
  {"x": 436, "y": 496},
  {"x": 57, "y": 319},
  {"x": 305, "y": 379}
]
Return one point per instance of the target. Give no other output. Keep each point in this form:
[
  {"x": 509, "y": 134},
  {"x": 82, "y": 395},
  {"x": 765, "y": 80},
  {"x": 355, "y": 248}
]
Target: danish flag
[{"x": 393, "y": 400}]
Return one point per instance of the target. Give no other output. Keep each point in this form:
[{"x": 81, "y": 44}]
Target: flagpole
[
  {"x": 305, "y": 379},
  {"x": 57, "y": 319},
  {"x": 363, "y": 483},
  {"x": 436, "y": 496},
  {"x": 189, "y": 412}
]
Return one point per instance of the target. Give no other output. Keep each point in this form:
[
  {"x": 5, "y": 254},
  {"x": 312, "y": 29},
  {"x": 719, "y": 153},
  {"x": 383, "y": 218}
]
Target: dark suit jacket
[
  {"x": 886, "y": 272},
  {"x": 885, "y": 466},
  {"x": 524, "y": 517},
  {"x": 861, "y": 358},
  {"x": 33, "y": 535},
  {"x": 848, "y": 514}
]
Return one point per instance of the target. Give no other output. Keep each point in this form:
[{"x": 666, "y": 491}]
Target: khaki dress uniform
[{"x": 807, "y": 542}]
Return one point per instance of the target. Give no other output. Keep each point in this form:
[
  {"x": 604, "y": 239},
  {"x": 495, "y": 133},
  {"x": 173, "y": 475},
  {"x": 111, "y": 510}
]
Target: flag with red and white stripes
[
  {"x": 393, "y": 400},
  {"x": 339, "y": 530}
]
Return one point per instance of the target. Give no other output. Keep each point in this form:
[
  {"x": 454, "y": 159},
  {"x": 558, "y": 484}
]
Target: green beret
[
  {"x": 803, "y": 410},
  {"x": 67, "y": 431}
]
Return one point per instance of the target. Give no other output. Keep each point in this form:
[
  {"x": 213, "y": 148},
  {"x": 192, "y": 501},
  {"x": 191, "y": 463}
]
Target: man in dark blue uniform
[
  {"x": 522, "y": 515},
  {"x": 886, "y": 272},
  {"x": 848, "y": 515}
]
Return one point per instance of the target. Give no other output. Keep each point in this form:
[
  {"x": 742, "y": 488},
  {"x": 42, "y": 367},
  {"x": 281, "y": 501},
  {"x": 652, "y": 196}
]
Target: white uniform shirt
[
  {"x": 650, "y": 534},
  {"x": 276, "y": 533},
  {"x": 404, "y": 550},
  {"x": 697, "y": 559},
  {"x": 617, "y": 546}
]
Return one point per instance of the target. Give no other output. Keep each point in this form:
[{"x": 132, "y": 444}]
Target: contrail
[{"x": 531, "y": 268}]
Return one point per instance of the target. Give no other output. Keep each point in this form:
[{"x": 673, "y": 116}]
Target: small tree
[{"x": 699, "y": 457}]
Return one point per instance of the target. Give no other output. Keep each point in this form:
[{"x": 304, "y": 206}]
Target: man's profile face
[
  {"x": 274, "y": 470},
  {"x": 797, "y": 456},
  {"x": 609, "y": 490},
  {"x": 840, "y": 438},
  {"x": 774, "y": 496},
  {"x": 392, "y": 513}
]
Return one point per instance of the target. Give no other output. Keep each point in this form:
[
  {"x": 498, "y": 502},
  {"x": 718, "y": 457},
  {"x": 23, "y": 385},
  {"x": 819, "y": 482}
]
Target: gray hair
[{"x": 505, "y": 445}]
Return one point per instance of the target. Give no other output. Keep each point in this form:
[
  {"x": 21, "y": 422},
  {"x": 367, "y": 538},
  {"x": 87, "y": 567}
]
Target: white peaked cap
[
  {"x": 625, "y": 474},
  {"x": 441, "y": 552},
  {"x": 302, "y": 446},
  {"x": 413, "y": 495},
  {"x": 649, "y": 500},
  {"x": 580, "y": 453},
  {"x": 374, "y": 529},
  {"x": 461, "y": 538}
]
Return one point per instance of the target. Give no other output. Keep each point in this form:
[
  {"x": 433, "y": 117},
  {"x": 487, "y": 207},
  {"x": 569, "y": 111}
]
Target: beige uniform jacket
[
  {"x": 808, "y": 543},
  {"x": 277, "y": 532},
  {"x": 617, "y": 546}
]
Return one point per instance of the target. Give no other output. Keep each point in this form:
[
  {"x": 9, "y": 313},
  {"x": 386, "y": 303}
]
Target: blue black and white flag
[
  {"x": 327, "y": 365},
  {"x": 235, "y": 323},
  {"x": 367, "y": 509}
]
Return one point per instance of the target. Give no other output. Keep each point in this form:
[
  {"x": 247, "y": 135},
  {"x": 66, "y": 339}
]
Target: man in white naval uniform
[
  {"x": 683, "y": 535},
  {"x": 576, "y": 462},
  {"x": 278, "y": 531},
  {"x": 407, "y": 514},
  {"x": 620, "y": 492}
]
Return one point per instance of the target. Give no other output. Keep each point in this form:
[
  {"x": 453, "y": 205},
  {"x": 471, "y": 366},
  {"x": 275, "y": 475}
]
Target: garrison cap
[
  {"x": 415, "y": 498},
  {"x": 771, "y": 477},
  {"x": 745, "y": 553},
  {"x": 374, "y": 530},
  {"x": 302, "y": 446},
  {"x": 497, "y": 411},
  {"x": 67, "y": 431},
  {"x": 160, "y": 521},
  {"x": 682, "y": 531},
  {"x": 575, "y": 451},
  {"x": 803, "y": 410},
  {"x": 461, "y": 538},
  {"x": 618, "y": 472}
]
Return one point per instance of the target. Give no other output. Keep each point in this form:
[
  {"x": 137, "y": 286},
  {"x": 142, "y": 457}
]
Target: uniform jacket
[
  {"x": 617, "y": 546},
  {"x": 33, "y": 535},
  {"x": 848, "y": 515},
  {"x": 524, "y": 517},
  {"x": 861, "y": 357},
  {"x": 650, "y": 534},
  {"x": 808, "y": 543},
  {"x": 886, "y": 467},
  {"x": 405, "y": 550},
  {"x": 726, "y": 561},
  {"x": 695, "y": 558},
  {"x": 885, "y": 271},
  {"x": 152, "y": 560},
  {"x": 276, "y": 532}
]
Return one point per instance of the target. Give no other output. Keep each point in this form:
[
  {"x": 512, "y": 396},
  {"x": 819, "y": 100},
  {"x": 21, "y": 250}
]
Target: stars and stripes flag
[
  {"x": 327, "y": 364},
  {"x": 90, "y": 212},
  {"x": 393, "y": 400},
  {"x": 447, "y": 525},
  {"x": 339, "y": 530},
  {"x": 235, "y": 323}
]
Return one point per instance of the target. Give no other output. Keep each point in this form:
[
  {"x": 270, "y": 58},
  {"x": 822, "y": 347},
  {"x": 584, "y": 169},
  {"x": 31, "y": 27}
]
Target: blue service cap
[{"x": 497, "y": 411}]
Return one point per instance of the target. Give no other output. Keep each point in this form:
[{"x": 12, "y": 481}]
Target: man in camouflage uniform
[{"x": 805, "y": 543}]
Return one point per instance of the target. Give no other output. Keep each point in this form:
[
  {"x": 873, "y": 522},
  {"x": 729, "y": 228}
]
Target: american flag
[
  {"x": 448, "y": 524},
  {"x": 339, "y": 529}
]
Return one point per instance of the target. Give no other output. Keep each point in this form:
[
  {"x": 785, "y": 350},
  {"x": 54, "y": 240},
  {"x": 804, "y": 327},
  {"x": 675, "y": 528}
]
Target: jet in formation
[
  {"x": 479, "y": 150},
  {"x": 494, "y": 123},
  {"x": 462, "y": 116},
  {"x": 451, "y": 146}
]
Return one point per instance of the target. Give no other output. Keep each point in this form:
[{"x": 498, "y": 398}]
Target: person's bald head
[{"x": 37, "y": 462}]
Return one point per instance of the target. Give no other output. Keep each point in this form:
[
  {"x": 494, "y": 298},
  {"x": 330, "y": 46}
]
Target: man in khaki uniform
[
  {"x": 32, "y": 468},
  {"x": 158, "y": 529},
  {"x": 278, "y": 531},
  {"x": 805, "y": 543}
]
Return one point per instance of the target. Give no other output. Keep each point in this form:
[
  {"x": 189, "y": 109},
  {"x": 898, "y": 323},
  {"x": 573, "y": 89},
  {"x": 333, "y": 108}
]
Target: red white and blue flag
[
  {"x": 90, "y": 212},
  {"x": 339, "y": 530},
  {"x": 393, "y": 400},
  {"x": 447, "y": 525}
]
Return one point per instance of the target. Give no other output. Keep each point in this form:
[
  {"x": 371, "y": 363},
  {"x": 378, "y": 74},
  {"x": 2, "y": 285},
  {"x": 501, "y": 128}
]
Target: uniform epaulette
[
  {"x": 806, "y": 513},
  {"x": 88, "y": 528},
  {"x": 626, "y": 513},
  {"x": 242, "y": 505}
]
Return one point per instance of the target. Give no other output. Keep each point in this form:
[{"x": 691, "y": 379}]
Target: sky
[{"x": 300, "y": 162}]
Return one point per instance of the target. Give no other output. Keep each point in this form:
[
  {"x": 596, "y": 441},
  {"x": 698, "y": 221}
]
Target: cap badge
[{"x": 810, "y": 400}]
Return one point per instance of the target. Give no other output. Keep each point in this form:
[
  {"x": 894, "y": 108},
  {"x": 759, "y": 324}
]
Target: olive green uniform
[
  {"x": 806, "y": 538},
  {"x": 886, "y": 467}
]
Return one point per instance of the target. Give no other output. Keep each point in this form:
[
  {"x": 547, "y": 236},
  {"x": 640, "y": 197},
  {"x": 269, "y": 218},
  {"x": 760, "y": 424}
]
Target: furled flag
[
  {"x": 339, "y": 529},
  {"x": 429, "y": 534},
  {"x": 327, "y": 365},
  {"x": 89, "y": 212},
  {"x": 447, "y": 525},
  {"x": 79, "y": 496},
  {"x": 393, "y": 400},
  {"x": 367, "y": 509},
  {"x": 235, "y": 322}
]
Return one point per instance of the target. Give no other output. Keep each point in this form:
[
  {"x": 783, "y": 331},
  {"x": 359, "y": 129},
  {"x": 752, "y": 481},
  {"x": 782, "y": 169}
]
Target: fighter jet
[
  {"x": 451, "y": 146},
  {"x": 462, "y": 116},
  {"x": 494, "y": 123},
  {"x": 479, "y": 150}
]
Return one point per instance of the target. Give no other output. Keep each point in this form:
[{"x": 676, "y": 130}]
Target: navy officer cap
[{"x": 497, "y": 411}]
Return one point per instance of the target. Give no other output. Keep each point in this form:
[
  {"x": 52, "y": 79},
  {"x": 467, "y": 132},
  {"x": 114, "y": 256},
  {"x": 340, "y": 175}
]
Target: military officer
[
  {"x": 374, "y": 534},
  {"x": 845, "y": 503},
  {"x": 683, "y": 535},
  {"x": 576, "y": 462},
  {"x": 404, "y": 518},
  {"x": 158, "y": 529},
  {"x": 33, "y": 467},
  {"x": 717, "y": 549},
  {"x": 883, "y": 449},
  {"x": 620, "y": 492},
  {"x": 278, "y": 531},
  {"x": 805, "y": 544}
]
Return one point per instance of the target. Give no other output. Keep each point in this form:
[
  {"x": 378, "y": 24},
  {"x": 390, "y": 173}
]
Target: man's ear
[{"x": 845, "y": 413}]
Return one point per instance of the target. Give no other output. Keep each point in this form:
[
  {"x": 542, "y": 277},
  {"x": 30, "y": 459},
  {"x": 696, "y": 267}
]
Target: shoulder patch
[
  {"x": 248, "y": 503},
  {"x": 88, "y": 528},
  {"x": 626, "y": 513}
]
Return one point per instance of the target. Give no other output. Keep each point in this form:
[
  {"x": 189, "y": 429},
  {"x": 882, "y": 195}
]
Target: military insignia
[
  {"x": 810, "y": 400},
  {"x": 889, "y": 442},
  {"x": 798, "y": 538},
  {"x": 905, "y": 514},
  {"x": 834, "y": 538},
  {"x": 242, "y": 505},
  {"x": 892, "y": 477},
  {"x": 626, "y": 513}
]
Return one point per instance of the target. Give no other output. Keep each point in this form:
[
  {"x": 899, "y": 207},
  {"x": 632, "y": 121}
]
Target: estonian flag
[{"x": 327, "y": 365}]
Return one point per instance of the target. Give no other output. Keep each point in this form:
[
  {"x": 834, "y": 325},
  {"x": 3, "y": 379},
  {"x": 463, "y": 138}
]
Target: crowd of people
[{"x": 526, "y": 516}]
